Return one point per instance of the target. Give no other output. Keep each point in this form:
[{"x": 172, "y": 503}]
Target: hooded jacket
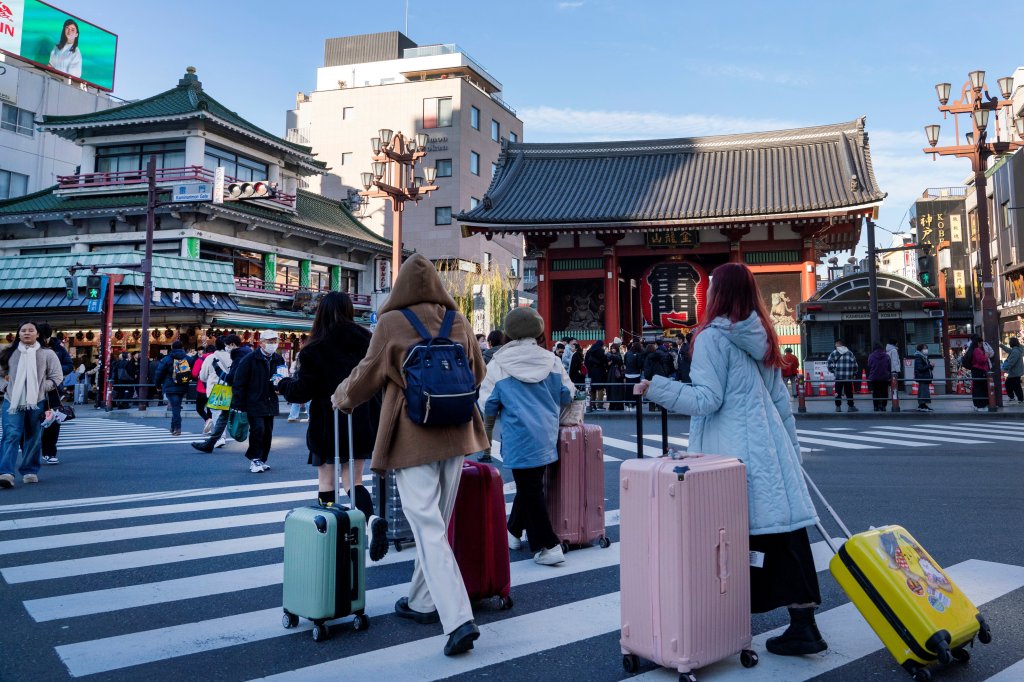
[
  {"x": 208, "y": 372},
  {"x": 596, "y": 361},
  {"x": 164, "y": 376},
  {"x": 740, "y": 408},
  {"x": 1013, "y": 365},
  {"x": 879, "y": 365},
  {"x": 843, "y": 364},
  {"x": 321, "y": 367},
  {"x": 400, "y": 442},
  {"x": 526, "y": 387}
]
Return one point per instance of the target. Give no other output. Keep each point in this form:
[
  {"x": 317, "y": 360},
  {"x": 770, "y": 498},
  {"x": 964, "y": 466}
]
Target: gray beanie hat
[{"x": 523, "y": 323}]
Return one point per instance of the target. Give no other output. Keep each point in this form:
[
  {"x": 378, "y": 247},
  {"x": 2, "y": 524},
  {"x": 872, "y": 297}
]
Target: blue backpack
[{"x": 440, "y": 388}]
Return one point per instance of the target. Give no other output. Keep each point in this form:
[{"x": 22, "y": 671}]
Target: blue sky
[{"x": 607, "y": 69}]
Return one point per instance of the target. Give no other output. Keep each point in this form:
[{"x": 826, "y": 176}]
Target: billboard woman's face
[{"x": 71, "y": 33}]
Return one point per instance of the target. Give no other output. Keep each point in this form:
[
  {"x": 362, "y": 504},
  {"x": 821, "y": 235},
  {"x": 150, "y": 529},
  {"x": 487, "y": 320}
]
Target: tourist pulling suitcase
[
  {"x": 908, "y": 600},
  {"x": 685, "y": 581},
  {"x": 478, "y": 536},
  {"x": 575, "y": 487},
  {"x": 325, "y": 559}
]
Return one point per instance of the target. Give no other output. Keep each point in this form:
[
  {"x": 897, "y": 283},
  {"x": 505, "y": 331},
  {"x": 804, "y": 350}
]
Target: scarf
[{"x": 23, "y": 393}]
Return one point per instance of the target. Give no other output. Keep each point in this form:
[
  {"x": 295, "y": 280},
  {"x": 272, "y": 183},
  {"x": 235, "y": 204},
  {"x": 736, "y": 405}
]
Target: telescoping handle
[
  {"x": 337, "y": 459},
  {"x": 831, "y": 511}
]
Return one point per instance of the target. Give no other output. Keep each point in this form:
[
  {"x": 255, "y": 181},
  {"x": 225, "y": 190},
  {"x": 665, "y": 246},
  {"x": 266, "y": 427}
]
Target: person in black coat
[
  {"x": 576, "y": 365},
  {"x": 253, "y": 392},
  {"x": 596, "y": 361},
  {"x": 174, "y": 391},
  {"x": 683, "y": 362},
  {"x": 335, "y": 347},
  {"x": 616, "y": 376}
]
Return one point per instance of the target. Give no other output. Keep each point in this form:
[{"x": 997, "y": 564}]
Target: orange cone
[
  {"x": 913, "y": 388},
  {"x": 822, "y": 389},
  {"x": 863, "y": 382}
]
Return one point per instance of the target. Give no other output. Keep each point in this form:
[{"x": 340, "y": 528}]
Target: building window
[
  {"x": 346, "y": 158},
  {"x": 443, "y": 215},
  {"x": 287, "y": 276},
  {"x": 12, "y": 184},
  {"x": 319, "y": 277},
  {"x": 488, "y": 261},
  {"x": 17, "y": 120},
  {"x": 515, "y": 267},
  {"x": 494, "y": 169},
  {"x": 513, "y": 138},
  {"x": 444, "y": 168},
  {"x": 495, "y": 130},
  {"x": 474, "y": 117},
  {"x": 235, "y": 166},
  {"x": 134, "y": 157},
  {"x": 473, "y": 203},
  {"x": 347, "y": 113},
  {"x": 474, "y": 163},
  {"x": 437, "y": 112}
]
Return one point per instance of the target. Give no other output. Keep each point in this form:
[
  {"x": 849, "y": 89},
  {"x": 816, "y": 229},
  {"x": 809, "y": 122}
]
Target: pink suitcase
[
  {"x": 575, "y": 487},
  {"x": 685, "y": 574}
]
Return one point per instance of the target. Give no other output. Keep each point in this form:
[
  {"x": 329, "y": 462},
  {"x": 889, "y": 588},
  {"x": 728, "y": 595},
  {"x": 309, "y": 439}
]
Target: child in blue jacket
[{"x": 527, "y": 386}]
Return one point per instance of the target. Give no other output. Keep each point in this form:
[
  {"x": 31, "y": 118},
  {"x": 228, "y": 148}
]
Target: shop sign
[
  {"x": 959, "y": 284},
  {"x": 382, "y": 275},
  {"x": 955, "y": 231},
  {"x": 666, "y": 239},
  {"x": 437, "y": 144},
  {"x": 192, "y": 191},
  {"x": 882, "y": 315},
  {"x": 8, "y": 84},
  {"x": 673, "y": 294}
]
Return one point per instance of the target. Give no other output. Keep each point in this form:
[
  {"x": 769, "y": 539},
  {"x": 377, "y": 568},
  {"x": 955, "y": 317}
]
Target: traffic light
[
  {"x": 926, "y": 266},
  {"x": 71, "y": 283},
  {"x": 93, "y": 287},
  {"x": 252, "y": 190}
]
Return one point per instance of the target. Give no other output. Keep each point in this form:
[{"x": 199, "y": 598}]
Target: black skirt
[{"x": 788, "y": 575}]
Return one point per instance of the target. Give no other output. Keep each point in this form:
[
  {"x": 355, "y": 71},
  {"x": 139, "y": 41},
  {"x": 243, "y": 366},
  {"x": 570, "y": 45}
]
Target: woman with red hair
[{"x": 739, "y": 407}]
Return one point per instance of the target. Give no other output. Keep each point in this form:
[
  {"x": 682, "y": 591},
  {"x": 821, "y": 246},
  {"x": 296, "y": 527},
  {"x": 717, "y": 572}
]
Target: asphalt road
[{"x": 138, "y": 558}]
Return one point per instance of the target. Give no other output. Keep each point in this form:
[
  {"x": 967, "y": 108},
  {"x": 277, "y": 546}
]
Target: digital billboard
[{"x": 52, "y": 38}]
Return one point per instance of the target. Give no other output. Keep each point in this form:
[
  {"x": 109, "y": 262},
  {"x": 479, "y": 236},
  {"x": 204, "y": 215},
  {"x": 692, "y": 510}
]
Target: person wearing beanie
[{"x": 527, "y": 387}]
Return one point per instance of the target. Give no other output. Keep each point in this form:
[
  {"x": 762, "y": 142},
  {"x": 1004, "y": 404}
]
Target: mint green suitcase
[{"x": 325, "y": 561}]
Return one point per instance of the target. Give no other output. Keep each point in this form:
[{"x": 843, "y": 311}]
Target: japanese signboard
[
  {"x": 673, "y": 294},
  {"x": 679, "y": 239},
  {"x": 959, "y": 284}
]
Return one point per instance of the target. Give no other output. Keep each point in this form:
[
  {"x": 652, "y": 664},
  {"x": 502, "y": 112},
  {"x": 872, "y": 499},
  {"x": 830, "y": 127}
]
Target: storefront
[{"x": 626, "y": 235}]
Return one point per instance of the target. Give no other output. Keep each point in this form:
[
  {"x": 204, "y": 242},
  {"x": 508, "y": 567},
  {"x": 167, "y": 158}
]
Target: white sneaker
[
  {"x": 549, "y": 557},
  {"x": 256, "y": 466},
  {"x": 221, "y": 442},
  {"x": 514, "y": 542},
  {"x": 981, "y": 409},
  {"x": 208, "y": 426}
]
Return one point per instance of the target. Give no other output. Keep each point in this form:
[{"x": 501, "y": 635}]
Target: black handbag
[{"x": 69, "y": 412}]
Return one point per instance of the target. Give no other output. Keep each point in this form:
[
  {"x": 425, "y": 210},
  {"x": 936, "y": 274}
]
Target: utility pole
[
  {"x": 147, "y": 282},
  {"x": 872, "y": 285}
]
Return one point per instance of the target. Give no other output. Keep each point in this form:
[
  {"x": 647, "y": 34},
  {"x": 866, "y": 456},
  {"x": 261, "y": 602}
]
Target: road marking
[
  {"x": 848, "y": 634},
  {"x": 865, "y": 439},
  {"x": 685, "y": 442},
  {"x": 630, "y": 447},
  {"x": 1015, "y": 673},
  {"x": 831, "y": 443},
  {"x": 878, "y": 430},
  {"x": 952, "y": 431},
  {"x": 121, "y": 651},
  {"x": 1008, "y": 430}
]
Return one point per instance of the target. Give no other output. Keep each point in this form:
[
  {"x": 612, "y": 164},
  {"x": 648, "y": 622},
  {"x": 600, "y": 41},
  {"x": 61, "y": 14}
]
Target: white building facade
[
  {"x": 31, "y": 160},
  {"x": 385, "y": 80}
]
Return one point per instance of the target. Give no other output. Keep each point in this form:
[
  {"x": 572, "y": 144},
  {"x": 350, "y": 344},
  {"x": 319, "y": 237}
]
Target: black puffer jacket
[
  {"x": 322, "y": 367},
  {"x": 251, "y": 389}
]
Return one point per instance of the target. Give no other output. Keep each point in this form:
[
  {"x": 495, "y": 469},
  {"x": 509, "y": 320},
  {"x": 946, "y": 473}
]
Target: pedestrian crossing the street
[
  {"x": 188, "y": 583},
  {"x": 86, "y": 433}
]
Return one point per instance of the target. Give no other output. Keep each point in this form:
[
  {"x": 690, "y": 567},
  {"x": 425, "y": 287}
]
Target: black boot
[{"x": 800, "y": 638}]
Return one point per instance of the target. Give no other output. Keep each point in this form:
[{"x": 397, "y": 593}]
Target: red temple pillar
[
  {"x": 808, "y": 270},
  {"x": 544, "y": 295},
  {"x": 735, "y": 235},
  {"x": 612, "y": 320}
]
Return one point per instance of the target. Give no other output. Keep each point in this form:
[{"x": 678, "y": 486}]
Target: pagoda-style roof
[
  {"x": 316, "y": 216},
  {"x": 823, "y": 172},
  {"x": 186, "y": 101}
]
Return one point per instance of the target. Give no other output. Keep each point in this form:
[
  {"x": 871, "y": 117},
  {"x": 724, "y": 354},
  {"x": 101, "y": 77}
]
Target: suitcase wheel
[
  {"x": 289, "y": 620},
  {"x": 922, "y": 675},
  {"x": 398, "y": 545},
  {"x": 630, "y": 663},
  {"x": 945, "y": 656},
  {"x": 504, "y": 603},
  {"x": 604, "y": 542},
  {"x": 961, "y": 655},
  {"x": 361, "y": 622},
  {"x": 985, "y": 634},
  {"x": 687, "y": 677},
  {"x": 748, "y": 658},
  {"x": 321, "y": 632}
]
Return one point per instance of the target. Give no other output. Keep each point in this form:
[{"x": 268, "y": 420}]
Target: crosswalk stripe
[
  {"x": 848, "y": 634},
  {"x": 952, "y": 431},
  {"x": 997, "y": 428},
  {"x": 120, "y": 651},
  {"x": 1015, "y": 673},
  {"x": 685, "y": 442},
  {"x": 832, "y": 443},
  {"x": 841, "y": 438},
  {"x": 152, "y": 497},
  {"x": 630, "y": 447},
  {"x": 875, "y": 430},
  {"x": 136, "y": 532}
]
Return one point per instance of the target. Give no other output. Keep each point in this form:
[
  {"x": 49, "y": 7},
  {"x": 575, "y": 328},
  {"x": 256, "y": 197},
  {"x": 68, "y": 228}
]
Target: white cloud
[
  {"x": 570, "y": 5},
  {"x": 901, "y": 169},
  {"x": 746, "y": 73}
]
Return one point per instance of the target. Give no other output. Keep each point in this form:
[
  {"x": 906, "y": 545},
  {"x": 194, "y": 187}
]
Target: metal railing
[
  {"x": 958, "y": 388},
  {"x": 258, "y": 284}
]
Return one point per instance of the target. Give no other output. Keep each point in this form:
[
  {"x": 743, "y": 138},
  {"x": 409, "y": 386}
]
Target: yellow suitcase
[{"x": 912, "y": 605}]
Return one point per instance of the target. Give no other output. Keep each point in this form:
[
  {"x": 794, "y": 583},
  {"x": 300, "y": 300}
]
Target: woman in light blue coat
[{"x": 739, "y": 406}]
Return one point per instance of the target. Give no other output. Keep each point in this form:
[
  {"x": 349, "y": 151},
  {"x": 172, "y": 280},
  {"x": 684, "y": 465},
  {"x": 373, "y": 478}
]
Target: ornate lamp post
[
  {"x": 513, "y": 282},
  {"x": 394, "y": 177},
  {"x": 979, "y": 105}
]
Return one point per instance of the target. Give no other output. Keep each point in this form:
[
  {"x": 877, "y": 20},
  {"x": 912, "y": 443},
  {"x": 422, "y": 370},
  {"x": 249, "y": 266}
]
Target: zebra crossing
[
  {"x": 187, "y": 583},
  {"x": 86, "y": 433}
]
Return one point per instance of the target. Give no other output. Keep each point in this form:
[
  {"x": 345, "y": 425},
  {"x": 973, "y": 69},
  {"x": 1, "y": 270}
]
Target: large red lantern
[{"x": 673, "y": 294}]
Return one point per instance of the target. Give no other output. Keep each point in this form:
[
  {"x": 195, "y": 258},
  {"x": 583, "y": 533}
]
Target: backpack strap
[
  {"x": 417, "y": 325},
  {"x": 446, "y": 324}
]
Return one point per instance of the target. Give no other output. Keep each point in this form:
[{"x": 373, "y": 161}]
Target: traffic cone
[
  {"x": 1004, "y": 384},
  {"x": 863, "y": 382},
  {"x": 913, "y": 388},
  {"x": 822, "y": 389}
]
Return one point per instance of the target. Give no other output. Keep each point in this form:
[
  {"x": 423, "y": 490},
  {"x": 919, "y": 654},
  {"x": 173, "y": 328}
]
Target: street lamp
[
  {"x": 976, "y": 101},
  {"x": 932, "y": 133},
  {"x": 514, "y": 280},
  {"x": 394, "y": 178}
]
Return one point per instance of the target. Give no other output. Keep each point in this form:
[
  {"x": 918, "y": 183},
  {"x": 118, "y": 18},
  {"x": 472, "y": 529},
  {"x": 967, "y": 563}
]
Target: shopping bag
[
  {"x": 238, "y": 425},
  {"x": 219, "y": 398}
]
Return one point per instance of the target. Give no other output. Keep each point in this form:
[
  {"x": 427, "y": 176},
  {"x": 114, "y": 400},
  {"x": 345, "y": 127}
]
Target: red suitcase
[
  {"x": 478, "y": 535},
  {"x": 574, "y": 486}
]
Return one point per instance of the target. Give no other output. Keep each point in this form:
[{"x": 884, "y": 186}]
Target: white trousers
[{"x": 428, "y": 497}]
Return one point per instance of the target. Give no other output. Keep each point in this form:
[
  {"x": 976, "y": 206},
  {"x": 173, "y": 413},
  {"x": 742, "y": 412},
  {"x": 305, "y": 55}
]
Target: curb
[{"x": 1003, "y": 414}]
